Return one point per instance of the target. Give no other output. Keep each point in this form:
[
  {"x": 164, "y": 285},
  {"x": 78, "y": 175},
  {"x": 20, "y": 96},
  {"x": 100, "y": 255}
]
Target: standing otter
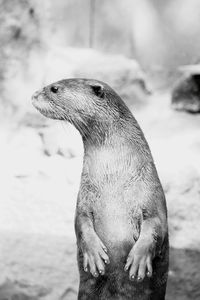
[{"x": 121, "y": 215}]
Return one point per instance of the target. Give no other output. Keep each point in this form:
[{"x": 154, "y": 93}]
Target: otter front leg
[
  {"x": 94, "y": 251},
  {"x": 139, "y": 260}
]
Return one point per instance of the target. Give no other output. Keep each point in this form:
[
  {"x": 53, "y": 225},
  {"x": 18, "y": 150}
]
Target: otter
[{"x": 121, "y": 214}]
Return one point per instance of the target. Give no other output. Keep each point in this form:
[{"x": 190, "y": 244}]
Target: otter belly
[{"x": 116, "y": 226}]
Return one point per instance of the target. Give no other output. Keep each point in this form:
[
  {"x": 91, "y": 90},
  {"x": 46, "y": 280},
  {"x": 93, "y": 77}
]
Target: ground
[{"x": 40, "y": 171}]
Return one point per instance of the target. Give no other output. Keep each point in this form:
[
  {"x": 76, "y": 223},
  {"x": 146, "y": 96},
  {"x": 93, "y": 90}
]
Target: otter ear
[{"x": 98, "y": 89}]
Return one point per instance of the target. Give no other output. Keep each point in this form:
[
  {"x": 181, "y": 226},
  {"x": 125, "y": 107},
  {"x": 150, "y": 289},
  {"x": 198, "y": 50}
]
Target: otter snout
[
  {"x": 43, "y": 104},
  {"x": 36, "y": 96},
  {"x": 39, "y": 102}
]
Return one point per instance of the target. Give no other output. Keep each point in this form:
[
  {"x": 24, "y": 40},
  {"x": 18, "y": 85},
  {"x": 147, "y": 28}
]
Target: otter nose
[{"x": 36, "y": 95}]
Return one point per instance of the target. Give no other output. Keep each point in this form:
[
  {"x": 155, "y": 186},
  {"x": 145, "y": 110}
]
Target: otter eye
[{"x": 54, "y": 89}]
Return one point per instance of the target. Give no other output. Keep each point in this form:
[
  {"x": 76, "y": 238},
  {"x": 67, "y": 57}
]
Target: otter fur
[{"x": 121, "y": 215}]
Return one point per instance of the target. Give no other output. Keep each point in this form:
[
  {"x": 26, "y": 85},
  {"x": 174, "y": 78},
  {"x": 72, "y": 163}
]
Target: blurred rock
[
  {"x": 38, "y": 267},
  {"x": 184, "y": 277},
  {"x": 165, "y": 35},
  {"x": 122, "y": 74},
  {"x": 186, "y": 94},
  {"x": 61, "y": 138},
  {"x": 19, "y": 35},
  {"x": 20, "y": 291},
  {"x": 19, "y": 31},
  {"x": 31, "y": 119},
  {"x": 65, "y": 23}
]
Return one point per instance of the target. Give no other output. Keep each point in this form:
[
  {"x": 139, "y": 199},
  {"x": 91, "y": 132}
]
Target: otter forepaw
[
  {"x": 95, "y": 257},
  {"x": 139, "y": 263}
]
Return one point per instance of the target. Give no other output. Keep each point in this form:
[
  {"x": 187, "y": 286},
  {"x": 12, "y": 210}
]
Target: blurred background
[{"x": 148, "y": 51}]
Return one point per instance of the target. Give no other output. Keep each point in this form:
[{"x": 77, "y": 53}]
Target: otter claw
[
  {"x": 106, "y": 261},
  {"x": 95, "y": 274},
  {"x": 139, "y": 279},
  {"x": 149, "y": 274}
]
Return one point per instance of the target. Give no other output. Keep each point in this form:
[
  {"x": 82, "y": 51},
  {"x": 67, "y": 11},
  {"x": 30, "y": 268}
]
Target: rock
[
  {"x": 121, "y": 73},
  {"x": 19, "y": 291},
  {"x": 184, "y": 278},
  {"x": 38, "y": 267},
  {"x": 23, "y": 143},
  {"x": 33, "y": 119},
  {"x": 186, "y": 93},
  {"x": 61, "y": 138},
  {"x": 19, "y": 35}
]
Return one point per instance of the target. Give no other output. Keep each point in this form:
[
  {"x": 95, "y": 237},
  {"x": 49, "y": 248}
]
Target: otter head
[{"x": 85, "y": 103}]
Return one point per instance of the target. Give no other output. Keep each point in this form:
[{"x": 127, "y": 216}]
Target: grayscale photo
[{"x": 100, "y": 150}]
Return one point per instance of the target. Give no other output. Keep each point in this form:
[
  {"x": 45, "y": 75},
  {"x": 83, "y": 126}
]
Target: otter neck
[
  {"x": 111, "y": 154},
  {"x": 99, "y": 134},
  {"x": 116, "y": 135}
]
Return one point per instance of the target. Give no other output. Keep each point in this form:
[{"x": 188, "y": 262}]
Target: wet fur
[{"x": 121, "y": 200}]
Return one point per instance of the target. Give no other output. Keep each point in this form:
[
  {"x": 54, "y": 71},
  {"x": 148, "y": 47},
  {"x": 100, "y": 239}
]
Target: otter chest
[{"x": 109, "y": 165}]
